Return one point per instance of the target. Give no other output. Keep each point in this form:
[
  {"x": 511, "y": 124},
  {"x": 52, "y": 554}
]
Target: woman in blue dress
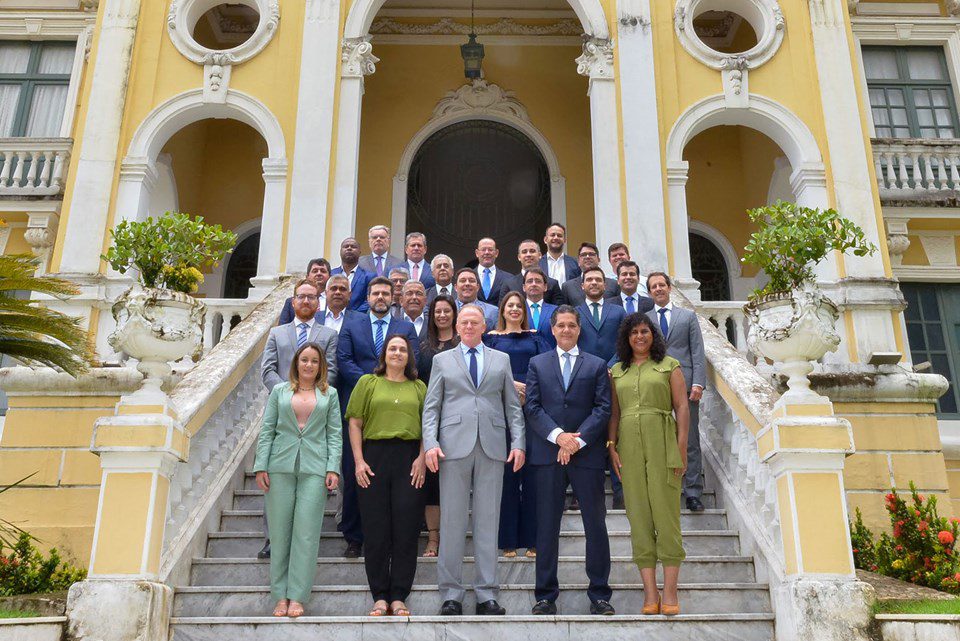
[{"x": 518, "y": 517}]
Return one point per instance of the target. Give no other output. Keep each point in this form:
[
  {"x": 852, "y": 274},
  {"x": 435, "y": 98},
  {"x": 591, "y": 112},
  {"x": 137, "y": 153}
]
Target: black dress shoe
[
  {"x": 544, "y": 607},
  {"x": 451, "y": 609},
  {"x": 573, "y": 504},
  {"x": 618, "y": 503},
  {"x": 694, "y": 504},
  {"x": 602, "y": 607},
  {"x": 353, "y": 551},
  {"x": 264, "y": 552},
  {"x": 491, "y": 607}
]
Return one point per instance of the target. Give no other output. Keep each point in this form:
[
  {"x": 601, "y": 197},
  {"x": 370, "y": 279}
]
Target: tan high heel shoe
[
  {"x": 651, "y": 609},
  {"x": 670, "y": 610}
]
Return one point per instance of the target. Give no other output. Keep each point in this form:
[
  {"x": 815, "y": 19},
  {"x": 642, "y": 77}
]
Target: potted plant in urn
[
  {"x": 791, "y": 321},
  {"x": 158, "y": 321}
]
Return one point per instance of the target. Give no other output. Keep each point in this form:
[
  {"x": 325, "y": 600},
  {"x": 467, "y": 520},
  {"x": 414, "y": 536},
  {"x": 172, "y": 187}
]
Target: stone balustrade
[
  {"x": 33, "y": 166},
  {"x": 221, "y": 313},
  {"x": 726, "y": 314},
  {"x": 917, "y": 169}
]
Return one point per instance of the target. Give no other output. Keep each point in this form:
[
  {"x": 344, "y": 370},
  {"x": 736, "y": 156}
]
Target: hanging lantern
[{"x": 472, "y": 53}]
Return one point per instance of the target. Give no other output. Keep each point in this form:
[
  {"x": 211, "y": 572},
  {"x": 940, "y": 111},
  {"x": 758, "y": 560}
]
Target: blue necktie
[
  {"x": 379, "y": 265},
  {"x": 378, "y": 339},
  {"x": 567, "y": 371},
  {"x": 630, "y": 307},
  {"x": 302, "y": 335},
  {"x": 663, "y": 322},
  {"x": 536, "y": 315},
  {"x": 473, "y": 366},
  {"x": 486, "y": 282}
]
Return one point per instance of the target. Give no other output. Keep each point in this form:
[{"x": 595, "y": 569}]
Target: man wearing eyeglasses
[
  {"x": 588, "y": 257},
  {"x": 318, "y": 271}
]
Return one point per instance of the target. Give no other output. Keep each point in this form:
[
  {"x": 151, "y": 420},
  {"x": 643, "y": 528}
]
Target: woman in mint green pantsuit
[
  {"x": 648, "y": 448},
  {"x": 298, "y": 460}
]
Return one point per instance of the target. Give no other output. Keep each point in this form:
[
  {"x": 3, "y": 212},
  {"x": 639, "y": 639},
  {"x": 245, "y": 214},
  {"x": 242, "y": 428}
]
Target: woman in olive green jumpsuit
[{"x": 648, "y": 447}]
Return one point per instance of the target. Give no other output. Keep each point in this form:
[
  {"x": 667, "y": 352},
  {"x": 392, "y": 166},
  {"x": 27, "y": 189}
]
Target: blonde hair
[{"x": 321, "y": 380}]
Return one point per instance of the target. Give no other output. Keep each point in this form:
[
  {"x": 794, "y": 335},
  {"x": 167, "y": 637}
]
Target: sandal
[
  {"x": 379, "y": 611},
  {"x": 281, "y": 608},
  {"x": 401, "y": 610},
  {"x": 531, "y": 553},
  {"x": 433, "y": 544},
  {"x": 651, "y": 609},
  {"x": 295, "y": 610},
  {"x": 509, "y": 554}
]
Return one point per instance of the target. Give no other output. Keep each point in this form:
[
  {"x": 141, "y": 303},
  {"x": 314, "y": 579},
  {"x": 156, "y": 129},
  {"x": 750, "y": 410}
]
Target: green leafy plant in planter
[
  {"x": 169, "y": 251},
  {"x": 792, "y": 239}
]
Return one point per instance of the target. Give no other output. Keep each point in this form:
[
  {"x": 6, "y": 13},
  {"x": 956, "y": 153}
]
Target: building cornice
[{"x": 45, "y": 24}]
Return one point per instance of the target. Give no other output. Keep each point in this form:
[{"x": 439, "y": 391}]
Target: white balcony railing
[
  {"x": 729, "y": 318},
  {"x": 917, "y": 169},
  {"x": 33, "y": 166},
  {"x": 222, "y": 315}
]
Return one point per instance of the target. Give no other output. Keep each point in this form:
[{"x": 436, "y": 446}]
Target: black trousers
[
  {"x": 588, "y": 487},
  {"x": 391, "y": 511}
]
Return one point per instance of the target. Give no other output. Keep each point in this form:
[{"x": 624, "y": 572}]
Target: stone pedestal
[{"x": 118, "y": 611}]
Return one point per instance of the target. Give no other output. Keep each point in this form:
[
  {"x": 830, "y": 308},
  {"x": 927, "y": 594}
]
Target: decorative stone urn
[
  {"x": 157, "y": 326},
  {"x": 794, "y": 328}
]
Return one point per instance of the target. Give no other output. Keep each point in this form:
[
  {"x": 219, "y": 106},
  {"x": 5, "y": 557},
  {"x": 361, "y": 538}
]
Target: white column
[
  {"x": 40, "y": 235},
  {"x": 137, "y": 180},
  {"x": 596, "y": 63},
  {"x": 92, "y": 186},
  {"x": 682, "y": 273},
  {"x": 307, "y": 230},
  {"x": 641, "y": 137},
  {"x": 356, "y": 61},
  {"x": 271, "y": 227}
]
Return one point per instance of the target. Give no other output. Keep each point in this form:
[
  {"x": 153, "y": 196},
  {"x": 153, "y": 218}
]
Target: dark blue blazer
[
  {"x": 544, "y": 329},
  {"x": 573, "y": 269},
  {"x": 355, "y": 351},
  {"x": 426, "y": 276},
  {"x": 601, "y": 343},
  {"x": 495, "y": 287},
  {"x": 358, "y": 289},
  {"x": 584, "y": 407},
  {"x": 644, "y": 303}
]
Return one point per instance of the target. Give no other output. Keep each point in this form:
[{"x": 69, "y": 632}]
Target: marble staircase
[{"x": 228, "y": 592}]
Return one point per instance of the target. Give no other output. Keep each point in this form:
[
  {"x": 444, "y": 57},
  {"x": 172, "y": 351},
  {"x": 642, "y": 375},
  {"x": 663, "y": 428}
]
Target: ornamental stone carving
[
  {"x": 480, "y": 96},
  {"x": 596, "y": 61},
  {"x": 898, "y": 240},
  {"x": 357, "y": 59},
  {"x": 184, "y": 14},
  {"x": 766, "y": 20},
  {"x": 502, "y": 27}
]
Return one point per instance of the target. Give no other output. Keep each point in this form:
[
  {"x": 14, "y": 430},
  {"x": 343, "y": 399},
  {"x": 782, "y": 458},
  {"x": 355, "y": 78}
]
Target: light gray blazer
[
  {"x": 455, "y": 412},
  {"x": 282, "y": 345},
  {"x": 685, "y": 343},
  {"x": 367, "y": 264}
]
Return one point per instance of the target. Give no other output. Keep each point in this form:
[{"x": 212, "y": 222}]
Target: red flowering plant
[{"x": 919, "y": 550}]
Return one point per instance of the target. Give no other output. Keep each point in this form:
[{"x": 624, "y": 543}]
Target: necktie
[
  {"x": 567, "y": 371},
  {"x": 536, "y": 315},
  {"x": 664, "y": 329},
  {"x": 631, "y": 308},
  {"x": 379, "y": 265},
  {"x": 378, "y": 339},
  {"x": 416, "y": 272},
  {"x": 302, "y": 335},
  {"x": 486, "y": 282},
  {"x": 596, "y": 315},
  {"x": 473, "y": 366}
]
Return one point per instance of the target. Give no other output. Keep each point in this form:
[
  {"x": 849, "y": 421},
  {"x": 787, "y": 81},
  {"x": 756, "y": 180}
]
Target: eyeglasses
[
  {"x": 306, "y": 297},
  {"x": 588, "y": 254}
]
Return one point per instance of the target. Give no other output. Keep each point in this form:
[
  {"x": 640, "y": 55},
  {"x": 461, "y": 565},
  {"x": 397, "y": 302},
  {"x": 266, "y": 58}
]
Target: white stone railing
[
  {"x": 720, "y": 311},
  {"x": 33, "y": 166},
  {"x": 917, "y": 168},
  {"x": 221, "y": 313},
  {"x": 220, "y": 402}
]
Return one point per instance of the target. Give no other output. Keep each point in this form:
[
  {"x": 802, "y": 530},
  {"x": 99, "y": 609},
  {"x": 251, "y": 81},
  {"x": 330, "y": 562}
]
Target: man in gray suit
[
  {"x": 470, "y": 403},
  {"x": 379, "y": 261},
  {"x": 685, "y": 343},
  {"x": 282, "y": 344}
]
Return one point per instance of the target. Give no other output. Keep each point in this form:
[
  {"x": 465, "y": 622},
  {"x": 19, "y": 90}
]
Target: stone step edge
[
  {"x": 330, "y": 560},
  {"x": 258, "y": 492},
  {"x": 624, "y": 587},
  {"x": 684, "y": 512},
  {"x": 393, "y": 620},
  {"x": 568, "y": 533}
]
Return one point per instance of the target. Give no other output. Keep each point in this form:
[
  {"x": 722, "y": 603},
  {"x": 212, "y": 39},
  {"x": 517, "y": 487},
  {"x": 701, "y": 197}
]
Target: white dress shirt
[
  {"x": 530, "y": 310},
  {"x": 464, "y": 349},
  {"x": 333, "y": 322},
  {"x": 349, "y": 274},
  {"x": 557, "y": 268},
  {"x": 417, "y": 322},
  {"x": 410, "y": 265},
  {"x": 668, "y": 314},
  {"x": 589, "y": 303},
  {"x": 493, "y": 274},
  {"x": 574, "y": 354},
  {"x": 448, "y": 288}
]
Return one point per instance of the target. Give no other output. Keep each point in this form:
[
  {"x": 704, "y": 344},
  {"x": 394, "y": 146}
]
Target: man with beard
[
  {"x": 556, "y": 264},
  {"x": 589, "y": 257}
]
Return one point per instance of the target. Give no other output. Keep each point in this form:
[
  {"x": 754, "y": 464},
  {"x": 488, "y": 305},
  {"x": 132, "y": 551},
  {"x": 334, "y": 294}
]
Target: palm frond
[
  {"x": 17, "y": 273},
  {"x": 49, "y": 354}
]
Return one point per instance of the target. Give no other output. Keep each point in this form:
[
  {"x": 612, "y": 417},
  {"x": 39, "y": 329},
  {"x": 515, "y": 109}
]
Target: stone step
[
  {"x": 520, "y": 570},
  {"x": 715, "y": 627},
  {"x": 702, "y": 598},
  {"x": 253, "y": 500},
  {"x": 696, "y": 543},
  {"x": 252, "y": 520}
]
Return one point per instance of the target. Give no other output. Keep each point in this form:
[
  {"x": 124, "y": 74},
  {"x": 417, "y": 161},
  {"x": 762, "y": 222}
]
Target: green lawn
[
  {"x": 18, "y": 614},
  {"x": 925, "y": 606}
]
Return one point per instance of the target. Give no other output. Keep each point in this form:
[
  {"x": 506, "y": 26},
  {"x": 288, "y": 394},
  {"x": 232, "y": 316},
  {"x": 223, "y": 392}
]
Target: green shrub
[
  {"x": 25, "y": 570},
  {"x": 920, "y": 549}
]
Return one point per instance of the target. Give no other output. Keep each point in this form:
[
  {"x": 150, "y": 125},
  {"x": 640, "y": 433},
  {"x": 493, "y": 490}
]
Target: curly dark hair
[{"x": 625, "y": 352}]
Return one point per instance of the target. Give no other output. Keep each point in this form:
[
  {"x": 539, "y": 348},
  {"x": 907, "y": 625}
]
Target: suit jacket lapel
[
  {"x": 292, "y": 333},
  {"x": 576, "y": 367},
  {"x": 557, "y": 368},
  {"x": 287, "y": 400}
]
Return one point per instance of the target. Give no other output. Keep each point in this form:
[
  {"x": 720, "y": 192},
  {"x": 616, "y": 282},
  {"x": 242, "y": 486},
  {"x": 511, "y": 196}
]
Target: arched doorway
[
  {"x": 241, "y": 267},
  {"x": 709, "y": 268},
  {"x": 478, "y": 178}
]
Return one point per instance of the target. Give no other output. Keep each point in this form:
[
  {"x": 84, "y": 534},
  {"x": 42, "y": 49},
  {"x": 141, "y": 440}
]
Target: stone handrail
[
  {"x": 911, "y": 168},
  {"x": 736, "y": 405},
  {"x": 220, "y": 315},
  {"x": 219, "y": 402},
  {"x": 33, "y": 166},
  {"x": 719, "y": 311}
]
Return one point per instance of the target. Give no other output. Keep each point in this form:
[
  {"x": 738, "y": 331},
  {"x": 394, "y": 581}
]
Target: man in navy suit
[
  {"x": 318, "y": 270},
  {"x": 349, "y": 257},
  {"x": 415, "y": 249},
  {"x": 538, "y": 310},
  {"x": 556, "y": 264},
  {"x": 529, "y": 256},
  {"x": 601, "y": 320},
  {"x": 441, "y": 269},
  {"x": 630, "y": 298},
  {"x": 567, "y": 411},
  {"x": 490, "y": 278},
  {"x": 358, "y": 350}
]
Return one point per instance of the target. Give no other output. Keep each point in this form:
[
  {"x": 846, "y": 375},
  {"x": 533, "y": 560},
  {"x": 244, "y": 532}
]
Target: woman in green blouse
[
  {"x": 298, "y": 460},
  {"x": 648, "y": 448},
  {"x": 385, "y": 434}
]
